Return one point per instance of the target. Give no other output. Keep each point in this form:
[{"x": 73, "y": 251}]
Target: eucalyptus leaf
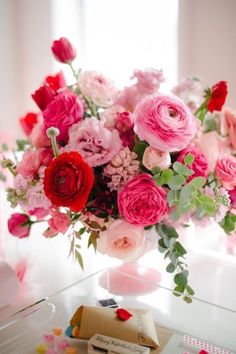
[
  {"x": 175, "y": 182},
  {"x": 180, "y": 279},
  {"x": 182, "y": 169}
]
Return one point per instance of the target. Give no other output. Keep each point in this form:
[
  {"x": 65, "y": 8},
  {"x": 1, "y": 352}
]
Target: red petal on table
[
  {"x": 123, "y": 314},
  {"x": 203, "y": 352}
]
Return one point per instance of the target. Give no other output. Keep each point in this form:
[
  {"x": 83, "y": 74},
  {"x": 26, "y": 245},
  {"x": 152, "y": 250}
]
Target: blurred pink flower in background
[
  {"x": 97, "y": 87},
  {"x": 96, "y": 144},
  {"x": 229, "y": 125}
]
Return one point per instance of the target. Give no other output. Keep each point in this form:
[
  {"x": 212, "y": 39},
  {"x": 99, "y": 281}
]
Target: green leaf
[
  {"x": 156, "y": 170},
  {"x": 181, "y": 169},
  {"x": 175, "y": 182},
  {"x": 209, "y": 125},
  {"x": 190, "y": 290},
  {"x": 180, "y": 279},
  {"x": 139, "y": 148},
  {"x": 228, "y": 223},
  {"x": 21, "y": 144},
  {"x": 178, "y": 290},
  {"x": 187, "y": 299},
  {"x": 188, "y": 159},
  {"x": 159, "y": 180},
  {"x": 172, "y": 197},
  {"x": 161, "y": 246},
  {"x": 179, "y": 248},
  {"x": 169, "y": 231},
  {"x": 198, "y": 182},
  {"x": 175, "y": 215},
  {"x": 208, "y": 205},
  {"x": 82, "y": 230},
  {"x": 93, "y": 239},
  {"x": 79, "y": 259},
  {"x": 166, "y": 175},
  {"x": 170, "y": 268},
  {"x": 149, "y": 227}
]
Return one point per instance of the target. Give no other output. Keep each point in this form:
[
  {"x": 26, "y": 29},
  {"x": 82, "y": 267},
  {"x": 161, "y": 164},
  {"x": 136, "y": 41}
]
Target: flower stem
[{"x": 73, "y": 71}]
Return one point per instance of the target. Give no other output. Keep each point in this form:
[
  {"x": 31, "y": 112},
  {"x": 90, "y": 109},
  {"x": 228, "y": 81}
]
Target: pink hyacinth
[
  {"x": 96, "y": 144},
  {"x": 122, "y": 168}
]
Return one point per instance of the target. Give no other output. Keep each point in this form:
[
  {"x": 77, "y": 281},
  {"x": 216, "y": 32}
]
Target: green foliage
[
  {"x": 139, "y": 148},
  {"x": 21, "y": 144},
  {"x": 176, "y": 182},
  {"x": 188, "y": 159},
  {"x": 228, "y": 223},
  {"x": 182, "y": 169}
]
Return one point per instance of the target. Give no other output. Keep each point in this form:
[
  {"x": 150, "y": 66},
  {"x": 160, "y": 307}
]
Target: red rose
[
  {"x": 28, "y": 122},
  {"x": 68, "y": 181},
  {"x": 15, "y": 225},
  {"x": 217, "y": 96},
  {"x": 64, "y": 111},
  {"x": 56, "y": 82},
  {"x": 43, "y": 96},
  {"x": 63, "y": 50}
]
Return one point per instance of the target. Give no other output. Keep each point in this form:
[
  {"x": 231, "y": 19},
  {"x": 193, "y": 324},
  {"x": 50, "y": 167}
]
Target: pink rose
[
  {"x": 122, "y": 240},
  {"x": 214, "y": 147},
  {"x": 97, "y": 87},
  {"x": 199, "y": 165},
  {"x": 64, "y": 111},
  {"x": 59, "y": 222},
  {"x": 165, "y": 122},
  {"x": 229, "y": 121},
  {"x": 156, "y": 158},
  {"x": 15, "y": 225},
  {"x": 141, "y": 201},
  {"x": 225, "y": 171},
  {"x": 29, "y": 164},
  {"x": 96, "y": 144}
]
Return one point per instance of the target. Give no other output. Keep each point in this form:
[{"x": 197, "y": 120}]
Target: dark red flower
[
  {"x": 68, "y": 181},
  {"x": 19, "y": 225},
  {"x": 56, "y": 82},
  {"x": 123, "y": 314},
  {"x": 28, "y": 122},
  {"x": 217, "y": 96},
  {"x": 43, "y": 96},
  {"x": 63, "y": 50}
]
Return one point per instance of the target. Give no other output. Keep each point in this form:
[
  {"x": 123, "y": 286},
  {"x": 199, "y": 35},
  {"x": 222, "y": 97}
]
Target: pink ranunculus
[
  {"x": 64, "y": 111},
  {"x": 214, "y": 147},
  {"x": 122, "y": 240},
  {"x": 165, "y": 122},
  {"x": 229, "y": 121},
  {"x": 225, "y": 171},
  {"x": 59, "y": 222},
  {"x": 199, "y": 165},
  {"x": 97, "y": 87},
  {"x": 148, "y": 80},
  {"x": 96, "y": 144},
  {"x": 29, "y": 164},
  {"x": 16, "y": 225},
  {"x": 141, "y": 201},
  {"x": 63, "y": 50},
  {"x": 108, "y": 116},
  {"x": 156, "y": 158}
]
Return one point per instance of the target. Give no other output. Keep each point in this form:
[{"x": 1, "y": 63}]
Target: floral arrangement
[{"x": 119, "y": 162}]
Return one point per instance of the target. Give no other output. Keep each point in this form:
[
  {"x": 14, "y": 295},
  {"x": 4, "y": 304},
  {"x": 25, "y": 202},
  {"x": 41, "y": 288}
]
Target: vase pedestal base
[{"x": 130, "y": 279}]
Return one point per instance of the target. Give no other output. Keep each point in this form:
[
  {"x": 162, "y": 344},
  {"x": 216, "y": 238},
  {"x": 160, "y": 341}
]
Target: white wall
[{"x": 207, "y": 42}]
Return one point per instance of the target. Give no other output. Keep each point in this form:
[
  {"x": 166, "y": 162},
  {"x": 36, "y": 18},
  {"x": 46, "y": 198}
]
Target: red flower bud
[
  {"x": 17, "y": 227},
  {"x": 63, "y": 50},
  {"x": 28, "y": 122},
  {"x": 43, "y": 96},
  {"x": 217, "y": 97}
]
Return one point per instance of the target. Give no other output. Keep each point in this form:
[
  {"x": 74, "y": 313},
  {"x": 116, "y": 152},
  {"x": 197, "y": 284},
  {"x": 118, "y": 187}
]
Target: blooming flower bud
[{"x": 63, "y": 50}]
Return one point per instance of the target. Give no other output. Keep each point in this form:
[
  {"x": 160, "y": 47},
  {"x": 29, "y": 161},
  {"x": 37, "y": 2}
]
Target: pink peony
[
  {"x": 165, "y": 122},
  {"x": 59, "y": 222},
  {"x": 96, "y": 144},
  {"x": 225, "y": 171},
  {"x": 229, "y": 121},
  {"x": 199, "y": 165},
  {"x": 156, "y": 158},
  {"x": 15, "y": 225},
  {"x": 142, "y": 202},
  {"x": 97, "y": 87},
  {"x": 29, "y": 164},
  {"x": 213, "y": 147},
  {"x": 122, "y": 240},
  {"x": 148, "y": 80},
  {"x": 64, "y": 111}
]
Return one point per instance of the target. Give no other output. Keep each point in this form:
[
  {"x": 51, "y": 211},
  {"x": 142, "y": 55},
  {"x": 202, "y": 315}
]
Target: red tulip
[
  {"x": 217, "y": 96},
  {"x": 63, "y": 50},
  {"x": 56, "y": 82},
  {"x": 28, "y": 122},
  {"x": 43, "y": 96}
]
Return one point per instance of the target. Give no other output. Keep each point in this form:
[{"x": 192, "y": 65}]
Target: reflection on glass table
[{"x": 21, "y": 332}]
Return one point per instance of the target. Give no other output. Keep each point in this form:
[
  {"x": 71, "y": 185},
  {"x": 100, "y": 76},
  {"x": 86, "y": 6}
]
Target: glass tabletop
[{"x": 21, "y": 332}]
